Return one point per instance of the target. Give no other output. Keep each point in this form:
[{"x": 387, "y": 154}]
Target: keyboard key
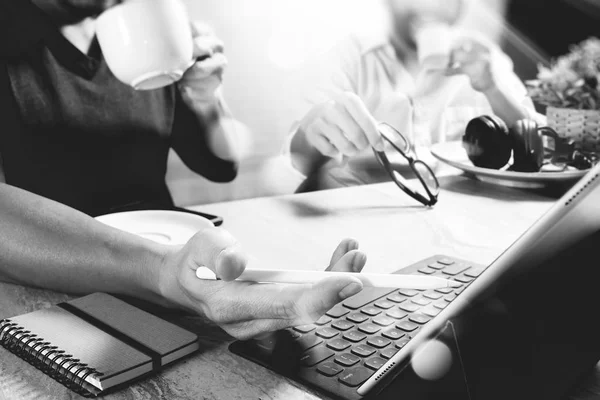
[
  {"x": 329, "y": 369},
  {"x": 450, "y": 297},
  {"x": 366, "y": 296},
  {"x": 337, "y": 312},
  {"x": 338, "y": 344},
  {"x": 323, "y": 320},
  {"x": 355, "y": 376},
  {"x": 327, "y": 332},
  {"x": 456, "y": 269},
  {"x": 445, "y": 261},
  {"x": 419, "y": 318},
  {"x": 444, "y": 290},
  {"x": 315, "y": 356},
  {"x": 372, "y": 311},
  {"x": 464, "y": 279},
  {"x": 363, "y": 350},
  {"x": 378, "y": 342},
  {"x": 430, "y": 310},
  {"x": 347, "y": 359},
  {"x": 342, "y": 325},
  {"x": 408, "y": 292},
  {"x": 427, "y": 270},
  {"x": 402, "y": 342},
  {"x": 369, "y": 328},
  {"x": 440, "y": 304},
  {"x": 304, "y": 328},
  {"x": 436, "y": 265},
  {"x": 396, "y": 313},
  {"x": 388, "y": 353},
  {"x": 375, "y": 363},
  {"x": 354, "y": 336},
  {"x": 475, "y": 272},
  {"x": 421, "y": 301},
  {"x": 432, "y": 295},
  {"x": 357, "y": 317},
  {"x": 308, "y": 341},
  {"x": 396, "y": 298},
  {"x": 384, "y": 304},
  {"x": 409, "y": 307},
  {"x": 393, "y": 334},
  {"x": 407, "y": 326},
  {"x": 383, "y": 320}
]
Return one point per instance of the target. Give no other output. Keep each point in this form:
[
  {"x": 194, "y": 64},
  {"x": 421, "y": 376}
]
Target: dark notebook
[{"x": 96, "y": 342}]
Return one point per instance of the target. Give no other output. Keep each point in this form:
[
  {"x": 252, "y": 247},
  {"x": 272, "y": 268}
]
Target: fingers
[
  {"x": 206, "y": 46},
  {"x": 218, "y": 250},
  {"x": 352, "y": 261},
  {"x": 344, "y": 247},
  {"x": 213, "y": 66},
  {"x": 362, "y": 117},
  {"x": 344, "y": 123},
  {"x": 334, "y": 128},
  {"x": 323, "y": 295}
]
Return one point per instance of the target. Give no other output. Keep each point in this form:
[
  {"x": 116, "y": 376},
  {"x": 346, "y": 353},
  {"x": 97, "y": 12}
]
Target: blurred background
[{"x": 270, "y": 45}]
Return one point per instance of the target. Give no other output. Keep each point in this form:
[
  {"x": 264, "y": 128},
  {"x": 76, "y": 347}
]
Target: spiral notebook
[{"x": 95, "y": 343}]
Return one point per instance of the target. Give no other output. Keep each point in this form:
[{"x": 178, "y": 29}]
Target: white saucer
[
  {"x": 167, "y": 227},
  {"x": 452, "y": 153}
]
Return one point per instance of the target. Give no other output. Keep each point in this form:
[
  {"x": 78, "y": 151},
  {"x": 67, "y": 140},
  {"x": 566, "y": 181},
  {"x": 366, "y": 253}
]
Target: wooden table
[{"x": 472, "y": 220}]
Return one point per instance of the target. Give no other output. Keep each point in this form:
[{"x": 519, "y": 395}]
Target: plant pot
[{"x": 582, "y": 126}]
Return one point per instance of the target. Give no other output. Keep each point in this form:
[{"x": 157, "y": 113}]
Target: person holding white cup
[
  {"x": 96, "y": 92},
  {"x": 421, "y": 73}
]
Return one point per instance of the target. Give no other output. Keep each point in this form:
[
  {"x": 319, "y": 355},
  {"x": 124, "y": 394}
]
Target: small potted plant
[{"x": 570, "y": 89}]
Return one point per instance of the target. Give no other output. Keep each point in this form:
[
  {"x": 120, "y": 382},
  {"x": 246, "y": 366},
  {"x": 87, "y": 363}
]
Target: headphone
[{"x": 489, "y": 144}]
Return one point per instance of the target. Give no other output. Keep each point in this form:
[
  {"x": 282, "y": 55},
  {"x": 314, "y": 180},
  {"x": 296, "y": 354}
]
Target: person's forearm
[
  {"x": 505, "y": 106},
  {"x": 49, "y": 245},
  {"x": 223, "y": 140}
]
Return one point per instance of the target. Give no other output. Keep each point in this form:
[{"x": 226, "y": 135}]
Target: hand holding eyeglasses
[{"x": 341, "y": 127}]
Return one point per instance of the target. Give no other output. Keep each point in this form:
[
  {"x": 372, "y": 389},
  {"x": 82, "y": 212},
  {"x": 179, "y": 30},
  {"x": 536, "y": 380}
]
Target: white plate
[
  {"x": 452, "y": 153},
  {"x": 168, "y": 227}
]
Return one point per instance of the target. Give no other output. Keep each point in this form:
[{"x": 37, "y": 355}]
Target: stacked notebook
[{"x": 95, "y": 343}]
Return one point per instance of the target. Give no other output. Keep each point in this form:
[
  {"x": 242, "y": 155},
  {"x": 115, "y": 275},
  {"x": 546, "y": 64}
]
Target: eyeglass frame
[{"x": 387, "y": 165}]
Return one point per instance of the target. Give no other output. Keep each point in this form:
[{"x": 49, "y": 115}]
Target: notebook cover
[
  {"x": 155, "y": 333},
  {"x": 109, "y": 335}
]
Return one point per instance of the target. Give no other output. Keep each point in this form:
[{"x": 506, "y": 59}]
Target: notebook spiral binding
[{"x": 31, "y": 348}]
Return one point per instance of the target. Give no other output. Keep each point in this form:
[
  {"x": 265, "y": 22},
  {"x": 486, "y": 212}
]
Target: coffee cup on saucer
[{"x": 146, "y": 44}]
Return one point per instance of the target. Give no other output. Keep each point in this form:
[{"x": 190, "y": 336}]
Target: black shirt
[{"x": 70, "y": 131}]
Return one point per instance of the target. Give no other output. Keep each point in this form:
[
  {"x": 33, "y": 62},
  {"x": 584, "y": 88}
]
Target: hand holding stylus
[{"x": 248, "y": 309}]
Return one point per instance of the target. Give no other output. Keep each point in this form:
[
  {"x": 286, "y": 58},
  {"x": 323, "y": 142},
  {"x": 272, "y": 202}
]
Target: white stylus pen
[{"x": 373, "y": 280}]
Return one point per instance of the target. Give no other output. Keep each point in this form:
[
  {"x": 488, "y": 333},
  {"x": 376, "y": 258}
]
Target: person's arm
[
  {"x": 49, "y": 245},
  {"x": 46, "y": 244},
  {"x": 201, "y": 111},
  {"x": 338, "y": 123},
  {"x": 491, "y": 74}
]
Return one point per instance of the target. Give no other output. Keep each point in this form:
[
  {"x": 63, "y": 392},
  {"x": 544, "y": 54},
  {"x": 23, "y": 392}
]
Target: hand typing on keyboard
[{"x": 248, "y": 309}]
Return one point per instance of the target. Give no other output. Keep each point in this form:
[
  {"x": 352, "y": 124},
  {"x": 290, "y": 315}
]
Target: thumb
[
  {"x": 219, "y": 251},
  {"x": 325, "y": 294}
]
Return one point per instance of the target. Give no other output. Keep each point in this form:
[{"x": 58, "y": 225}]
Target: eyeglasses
[{"x": 427, "y": 187}]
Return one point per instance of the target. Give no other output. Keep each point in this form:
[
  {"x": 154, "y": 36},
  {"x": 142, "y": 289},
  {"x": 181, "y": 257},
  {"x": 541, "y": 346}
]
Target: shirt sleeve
[
  {"x": 189, "y": 139},
  {"x": 335, "y": 70}
]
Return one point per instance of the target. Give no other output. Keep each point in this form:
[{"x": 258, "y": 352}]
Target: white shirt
[{"x": 428, "y": 108}]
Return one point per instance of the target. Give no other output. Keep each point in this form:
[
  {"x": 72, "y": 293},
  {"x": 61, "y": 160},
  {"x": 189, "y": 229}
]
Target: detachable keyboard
[{"x": 353, "y": 340}]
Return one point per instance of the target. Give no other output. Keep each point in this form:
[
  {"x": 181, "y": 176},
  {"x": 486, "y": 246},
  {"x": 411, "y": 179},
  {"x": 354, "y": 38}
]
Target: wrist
[{"x": 150, "y": 271}]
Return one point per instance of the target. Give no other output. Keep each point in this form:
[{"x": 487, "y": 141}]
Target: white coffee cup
[
  {"x": 434, "y": 44},
  {"x": 147, "y": 44}
]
